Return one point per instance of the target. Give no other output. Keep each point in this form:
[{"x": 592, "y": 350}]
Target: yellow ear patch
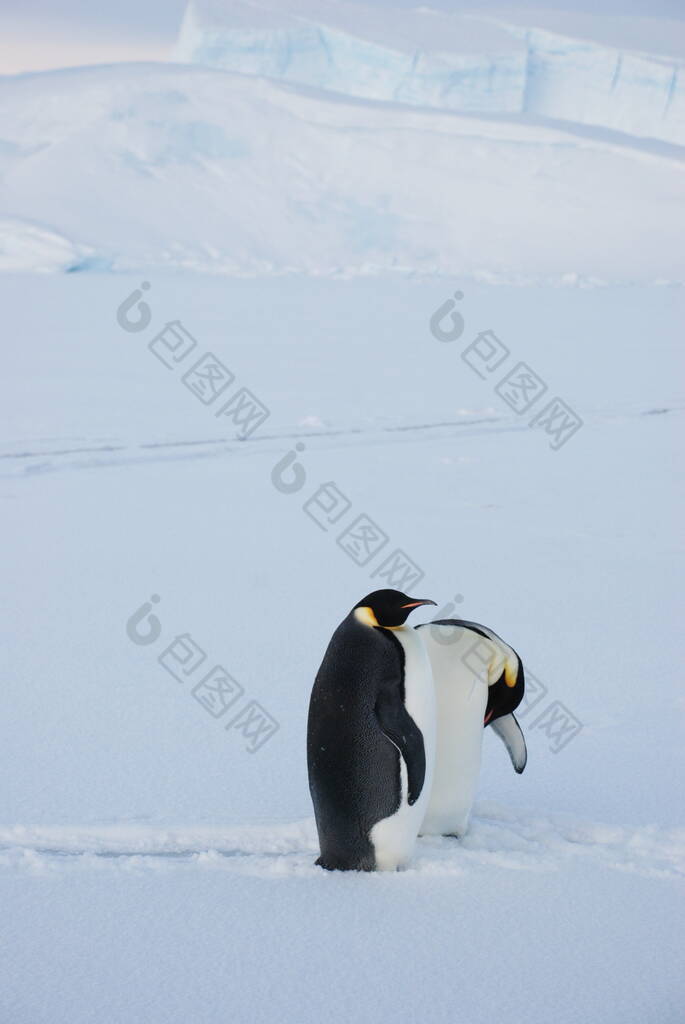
[
  {"x": 510, "y": 673},
  {"x": 503, "y": 663},
  {"x": 366, "y": 616}
]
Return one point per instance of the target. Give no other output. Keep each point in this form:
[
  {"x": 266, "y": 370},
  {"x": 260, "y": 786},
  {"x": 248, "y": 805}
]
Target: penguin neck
[{"x": 367, "y": 618}]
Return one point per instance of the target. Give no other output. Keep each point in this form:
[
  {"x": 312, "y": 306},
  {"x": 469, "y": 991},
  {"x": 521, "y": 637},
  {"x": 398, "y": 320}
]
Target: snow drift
[{"x": 184, "y": 167}]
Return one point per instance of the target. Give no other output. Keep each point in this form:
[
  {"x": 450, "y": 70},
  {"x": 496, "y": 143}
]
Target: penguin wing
[
  {"x": 401, "y": 729},
  {"x": 509, "y": 731}
]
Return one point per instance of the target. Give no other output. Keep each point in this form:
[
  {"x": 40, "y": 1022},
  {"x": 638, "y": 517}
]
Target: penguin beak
[{"x": 415, "y": 604}]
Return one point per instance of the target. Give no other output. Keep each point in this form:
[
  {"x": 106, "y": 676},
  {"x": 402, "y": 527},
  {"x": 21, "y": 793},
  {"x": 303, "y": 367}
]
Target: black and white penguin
[
  {"x": 479, "y": 681},
  {"x": 371, "y": 737}
]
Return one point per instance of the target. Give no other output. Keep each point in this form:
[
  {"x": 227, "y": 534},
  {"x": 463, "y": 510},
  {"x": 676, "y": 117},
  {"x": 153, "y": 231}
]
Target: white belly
[
  {"x": 394, "y": 837},
  {"x": 461, "y": 698}
]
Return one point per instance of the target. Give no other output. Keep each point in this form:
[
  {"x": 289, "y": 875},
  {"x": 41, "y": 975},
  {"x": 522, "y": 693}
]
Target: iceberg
[
  {"x": 573, "y": 80},
  {"x": 466, "y": 63},
  {"x": 426, "y": 59}
]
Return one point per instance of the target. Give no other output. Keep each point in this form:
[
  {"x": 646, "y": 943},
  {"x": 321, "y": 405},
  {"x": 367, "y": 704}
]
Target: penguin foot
[{"x": 340, "y": 866}]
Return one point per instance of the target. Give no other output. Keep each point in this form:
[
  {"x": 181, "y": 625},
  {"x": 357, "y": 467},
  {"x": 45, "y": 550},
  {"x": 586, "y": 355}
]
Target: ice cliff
[{"x": 465, "y": 63}]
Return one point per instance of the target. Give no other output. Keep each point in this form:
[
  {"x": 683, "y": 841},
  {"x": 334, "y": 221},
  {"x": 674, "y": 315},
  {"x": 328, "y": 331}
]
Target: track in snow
[
  {"x": 498, "y": 838},
  {"x": 21, "y": 461}
]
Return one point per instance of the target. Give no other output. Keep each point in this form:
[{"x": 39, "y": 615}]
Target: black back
[
  {"x": 502, "y": 699},
  {"x": 357, "y": 704}
]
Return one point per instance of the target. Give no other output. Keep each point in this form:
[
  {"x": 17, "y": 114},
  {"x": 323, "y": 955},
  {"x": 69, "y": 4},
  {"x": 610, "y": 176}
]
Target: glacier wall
[
  {"x": 573, "y": 80},
  {"x": 475, "y": 67},
  {"x": 326, "y": 57}
]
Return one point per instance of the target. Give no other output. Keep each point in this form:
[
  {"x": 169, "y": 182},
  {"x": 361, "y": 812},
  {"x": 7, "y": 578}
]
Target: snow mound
[
  {"x": 26, "y": 246},
  {"x": 182, "y": 167},
  {"x": 465, "y": 63}
]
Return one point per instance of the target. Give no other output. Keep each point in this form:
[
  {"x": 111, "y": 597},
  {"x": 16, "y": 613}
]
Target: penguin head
[{"x": 388, "y": 607}]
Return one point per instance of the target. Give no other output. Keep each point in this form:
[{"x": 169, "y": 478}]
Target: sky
[{"x": 39, "y": 34}]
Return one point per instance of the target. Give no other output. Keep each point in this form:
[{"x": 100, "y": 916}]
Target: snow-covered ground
[
  {"x": 151, "y": 866},
  {"x": 340, "y": 262}
]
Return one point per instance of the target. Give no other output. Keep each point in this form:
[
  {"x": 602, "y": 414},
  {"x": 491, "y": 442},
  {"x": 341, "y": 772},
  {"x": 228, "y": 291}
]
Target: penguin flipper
[
  {"x": 509, "y": 731},
  {"x": 401, "y": 729}
]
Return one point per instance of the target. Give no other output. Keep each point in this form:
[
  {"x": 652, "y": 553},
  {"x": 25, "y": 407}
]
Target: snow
[
  {"x": 307, "y": 947},
  {"x": 26, "y": 246},
  {"x": 580, "y": 81},
  {"x": 467, "y": 62},
  {"x": 157, "y": 859},
  {"x": 153, "y": 867},
  {"x": 152, "y": 166}
]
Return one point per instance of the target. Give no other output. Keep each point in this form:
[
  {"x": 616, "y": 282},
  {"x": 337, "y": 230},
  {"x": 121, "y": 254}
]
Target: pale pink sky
[
  {"x": 22, "y": 51},
  {"x": 39, "y": 34}
]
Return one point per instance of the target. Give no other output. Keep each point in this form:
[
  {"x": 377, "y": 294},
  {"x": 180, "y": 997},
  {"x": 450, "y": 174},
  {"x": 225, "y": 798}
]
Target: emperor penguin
[
  {"x": 479, "y": 681},
  {"x": 371, "y": 737}
]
